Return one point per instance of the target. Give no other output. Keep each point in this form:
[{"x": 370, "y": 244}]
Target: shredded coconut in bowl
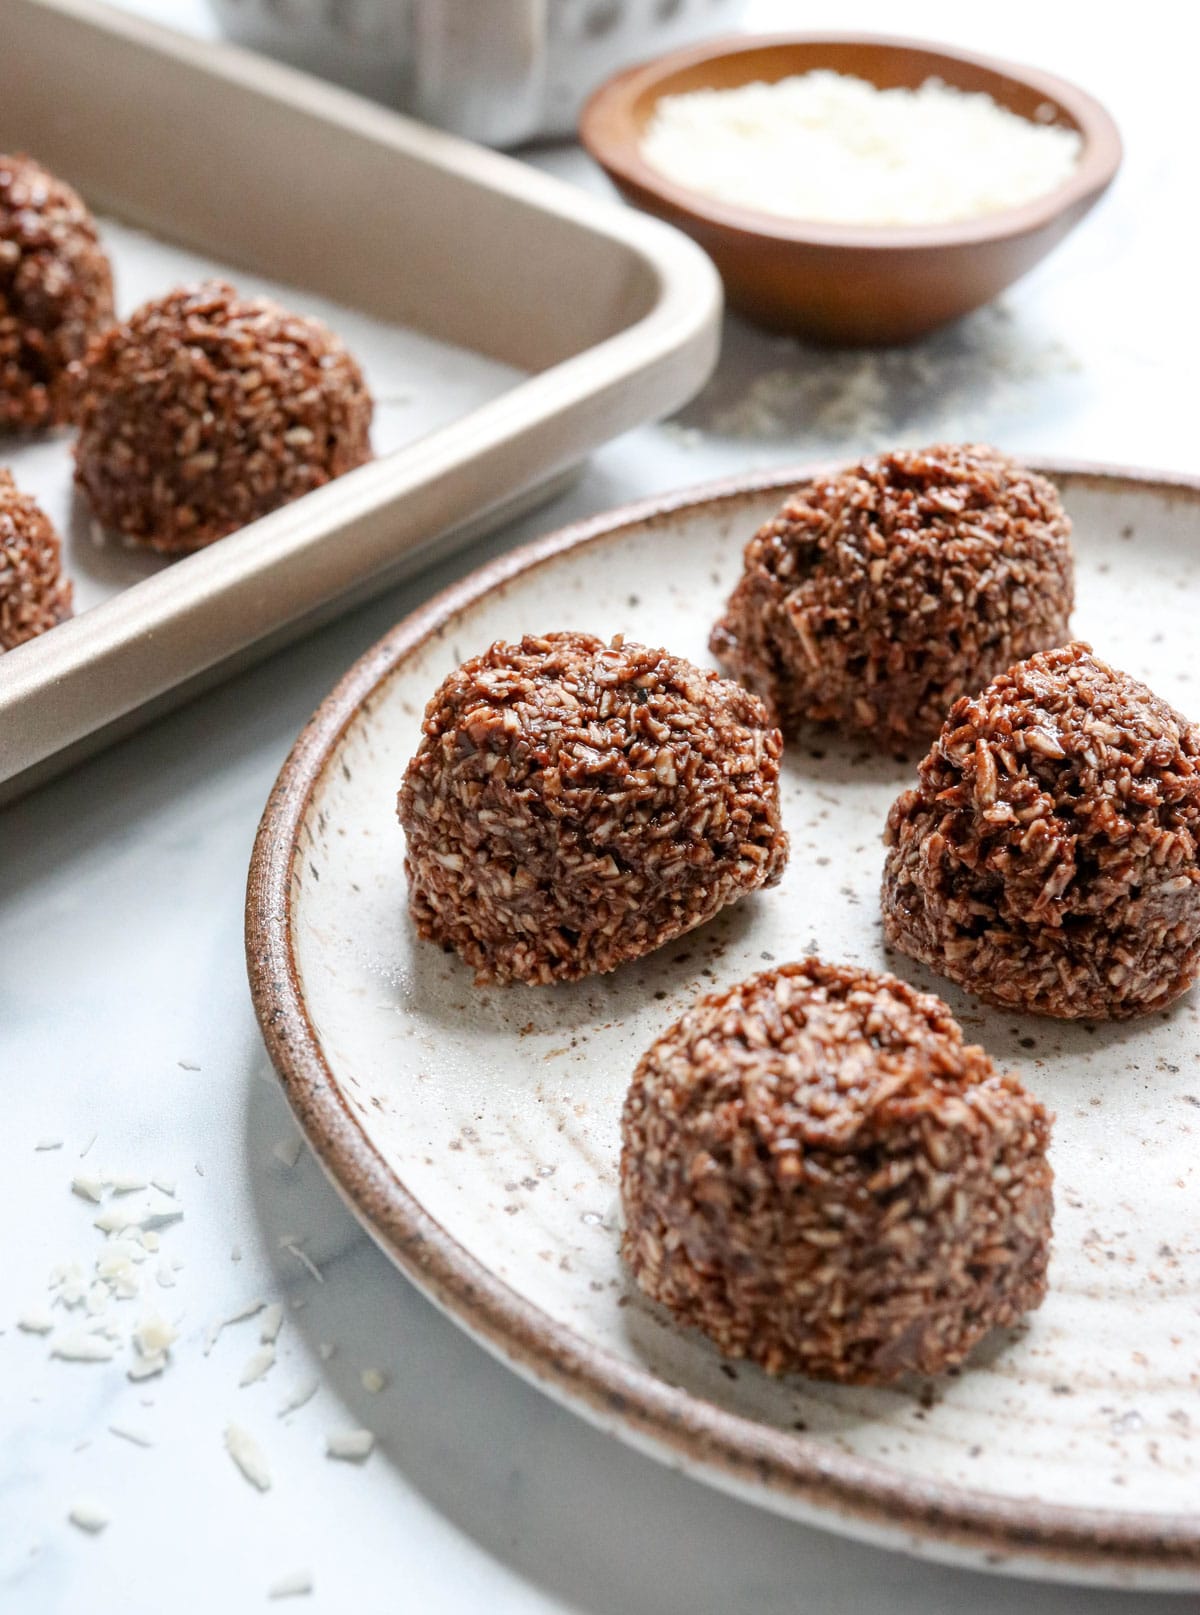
[{"x": 831, "y": 147}]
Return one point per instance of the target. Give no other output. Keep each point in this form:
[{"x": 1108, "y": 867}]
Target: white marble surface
[{"x": 124, "y": 1014}]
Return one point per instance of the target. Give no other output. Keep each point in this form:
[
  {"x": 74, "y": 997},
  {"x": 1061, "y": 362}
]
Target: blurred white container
[{"x": 500, "y": 71}]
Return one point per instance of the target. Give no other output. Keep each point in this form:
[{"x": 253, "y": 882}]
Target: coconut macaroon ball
[
  {"x": 574, "y": 804},
  {"x": 822, "y": 1176},
  {"x": 34, "y": 594},
  {"x": 1047, "y": 859},
  {"x": 880, "y": 594},
  {"x": 205, "y": 410},
  {"x": 56, "y": 292}
]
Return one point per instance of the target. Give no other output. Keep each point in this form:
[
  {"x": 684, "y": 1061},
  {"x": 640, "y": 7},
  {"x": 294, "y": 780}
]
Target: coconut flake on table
[
  {"x": 36, "y": 1321},
  {"x": 126, "y": 1182},
  {"x": 80, "y": 1346},
  {"x": 296, "y": 1584},
  {"x": 130, "y": 1433},
  {"x": 250, "y": 1310},
  {"x": 154, "y": 1335},
  {"x": 298, "y": 1396},
  {"x": 354, "y": 1446},
  {"x": 288, "y": 1243},
  {"x": 88, "y": 1516},
  {"x": 831, "y": 147},
  {"x": 257, "y": 1364},
  {"x": 248, "y": 1456},
  {"x": 272, "y": 1323}
]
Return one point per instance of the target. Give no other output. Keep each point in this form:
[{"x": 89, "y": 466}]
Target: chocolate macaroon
[
  {"x": 205, "y": 410},
  {"x": 574, "y": 804},
  {"x": 1047, "y": 859},
  {"x": 56, "y": 293},
  {"x": 34, "y": 594},
  {"x": 882, "y": 593},
  {"x": 822, "y": 1176}
]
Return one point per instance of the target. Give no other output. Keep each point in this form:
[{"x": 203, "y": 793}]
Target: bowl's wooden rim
[
  {"x": 800, "y": 1474},
  {"x": 609, "y": 130}
]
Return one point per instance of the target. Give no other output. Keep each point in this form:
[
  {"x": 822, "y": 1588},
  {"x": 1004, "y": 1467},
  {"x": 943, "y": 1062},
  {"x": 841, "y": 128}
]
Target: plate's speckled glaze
[{"x": 476, "y": 1131}]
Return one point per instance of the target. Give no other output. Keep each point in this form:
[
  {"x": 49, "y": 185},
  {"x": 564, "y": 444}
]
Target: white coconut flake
[
  {"x": 154, "y": 1336},
  {"x": 164, "y": 1182},
  {"x": 77, "y": 1346},
  {"x": 127, "y": 1182},
  {"x": 354, "y": 1446},
  {"x": 298, "y": 1396},
  {"x": 272, "y": 1322},
  {"x": 326, "y": 1350},
  {"x": 87, "y": 1147},
  {"x": 257, "y": 1364},
  {"x": 250, "y": 1310},
  {"x": 49, "y": 1144},
  {"x": 164, "y": 1273},
  {"x": 116, "y": 1268},
  {"x": 128, "y": 1432},
  {"x": 248, "y": 1456},
  {"x": 88, "y": 1516},
  {"x": 373, "y": 1380},
  {"x": 88, "y": 1187},
  {"x": 296, "y": 1584},
  {"x": 37, "y": 1321},
  {"x": 287, "y": 1150},
  {"x": 146, "y": 1367},
  {"x": 304, "y": 1258},
  {"x": 115, "y": 1220}
]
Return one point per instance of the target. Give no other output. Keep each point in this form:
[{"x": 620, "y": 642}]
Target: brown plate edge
[{"x": 800, "y": 1474}]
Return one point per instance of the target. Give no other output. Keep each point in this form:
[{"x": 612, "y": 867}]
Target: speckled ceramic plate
[{"x": 475, "y": 1132}]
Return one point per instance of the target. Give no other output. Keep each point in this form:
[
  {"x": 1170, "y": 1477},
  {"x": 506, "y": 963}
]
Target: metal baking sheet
[{"x": 508, "y": 325}]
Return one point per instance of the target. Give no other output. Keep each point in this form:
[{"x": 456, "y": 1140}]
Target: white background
[{"x": 120, "y": 957}]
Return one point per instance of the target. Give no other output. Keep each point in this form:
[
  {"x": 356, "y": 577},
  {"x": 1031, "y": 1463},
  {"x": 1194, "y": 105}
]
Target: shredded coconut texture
[
  {"x": 55, "y": 293},
  {"x": 205, "y": 410},
  {"x": 34, "y": 594},
  {"x": 574, "y": 805},
  {"x": 1047, "y": 859},
  {"x": 821, "y": 1175},
  {"x": 827, "y": 146},
  {"x": 882, "y": 593}
]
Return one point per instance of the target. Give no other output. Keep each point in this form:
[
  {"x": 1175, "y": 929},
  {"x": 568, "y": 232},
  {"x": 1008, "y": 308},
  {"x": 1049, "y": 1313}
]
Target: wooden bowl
[{"x": 853, "y": 284}]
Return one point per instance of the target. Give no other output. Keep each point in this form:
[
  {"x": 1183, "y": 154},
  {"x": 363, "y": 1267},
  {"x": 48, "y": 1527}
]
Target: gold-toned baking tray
[{"x": 582, "y": 320}]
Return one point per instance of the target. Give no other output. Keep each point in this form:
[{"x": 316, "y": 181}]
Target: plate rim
[{"x": 789, "y": 1472}]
